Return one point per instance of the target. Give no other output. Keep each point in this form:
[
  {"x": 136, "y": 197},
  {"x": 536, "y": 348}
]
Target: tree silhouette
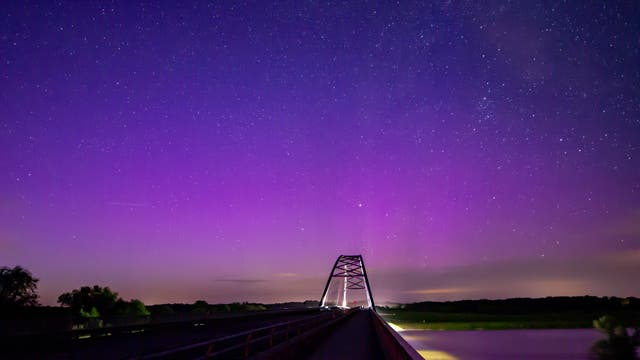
[
  {"x": 101, "y": 303},
  {"x": 618, "y": 344},
  {"x": 84, "y": 299},
  {"x": 17, "y": 287},
  {"x": 134, "y": 307},
  {"x": 201, "y": 306}
]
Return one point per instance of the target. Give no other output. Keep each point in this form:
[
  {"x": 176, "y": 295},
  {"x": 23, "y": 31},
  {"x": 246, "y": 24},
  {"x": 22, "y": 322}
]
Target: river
[{"x": 502, "y": 344}]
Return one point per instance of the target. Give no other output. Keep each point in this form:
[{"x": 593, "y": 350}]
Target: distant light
[
  {"x": 395, "y": 327},
  {"x": 436, "y": 355}
]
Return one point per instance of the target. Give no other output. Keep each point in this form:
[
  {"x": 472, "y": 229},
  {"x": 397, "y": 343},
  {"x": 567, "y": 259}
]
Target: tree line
[
  {"x": 528, "y": 305},
  {"x": 18, "y": 288}
]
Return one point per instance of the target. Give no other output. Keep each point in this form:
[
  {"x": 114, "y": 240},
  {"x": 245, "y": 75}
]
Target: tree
[
  {"x": 138, "y": 308},
  {"x": 17, "y": 287},
  {"x": 201, "y": 306},
  {"x": 164, "y": 309},
  {"x": 84, "y": 299},
  {"x": 133, "y": 308},
  {"x": 618, "y": 344},
  {"x": 101, "y": 302}
]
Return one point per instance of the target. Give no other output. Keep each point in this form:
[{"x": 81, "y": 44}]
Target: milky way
[{"x": 231, "y": 152}]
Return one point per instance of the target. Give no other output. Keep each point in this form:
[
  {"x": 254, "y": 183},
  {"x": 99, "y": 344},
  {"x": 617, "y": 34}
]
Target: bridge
[{"x": 345, "y": 326}]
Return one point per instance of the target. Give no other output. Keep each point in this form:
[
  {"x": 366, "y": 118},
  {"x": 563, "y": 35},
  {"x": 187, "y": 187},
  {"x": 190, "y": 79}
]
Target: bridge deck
[
  {"x": 306, "y": 334},
  {"x": 145, "y": 339},
  {"x": 353, "y": 339}
]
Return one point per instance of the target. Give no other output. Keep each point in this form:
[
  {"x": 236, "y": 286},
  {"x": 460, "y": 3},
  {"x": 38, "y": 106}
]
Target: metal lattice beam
[{"x": 351, "y": 269}]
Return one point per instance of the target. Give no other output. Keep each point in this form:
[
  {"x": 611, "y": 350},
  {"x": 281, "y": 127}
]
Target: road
[{"x": 355, "y": 338}]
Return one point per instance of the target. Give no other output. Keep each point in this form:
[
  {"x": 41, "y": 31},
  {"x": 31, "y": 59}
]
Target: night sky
[{"x": 231, "y": 151}]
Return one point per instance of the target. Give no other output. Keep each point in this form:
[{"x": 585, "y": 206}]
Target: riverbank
[
  {"x": 410, "y": 320},
  {"x": 518, "y": 313}
]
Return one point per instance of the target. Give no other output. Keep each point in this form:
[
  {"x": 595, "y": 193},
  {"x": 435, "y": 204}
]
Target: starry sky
[{"x": 230, "y": 151}]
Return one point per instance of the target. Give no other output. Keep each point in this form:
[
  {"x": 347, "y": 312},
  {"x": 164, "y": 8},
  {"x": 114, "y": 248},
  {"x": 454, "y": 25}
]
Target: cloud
[
  {"x": 131, "y": 204},
  {"x": 286, "y": 274},
  {"x": 251, "y": 281},
  {"x": 611, "y": 274},
  {"x": 627, "y": 227},
  {"x": 439, "y": 291}
]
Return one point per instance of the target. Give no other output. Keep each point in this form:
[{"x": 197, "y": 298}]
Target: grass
[{"x": 475, "y": 321}]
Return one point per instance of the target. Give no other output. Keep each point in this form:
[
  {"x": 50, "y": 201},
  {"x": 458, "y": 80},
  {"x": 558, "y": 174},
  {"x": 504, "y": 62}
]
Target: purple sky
[{"x": 232, "y": 152}]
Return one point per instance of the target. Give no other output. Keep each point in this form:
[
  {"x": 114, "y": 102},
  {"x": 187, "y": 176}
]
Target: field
[{"x": 423, "y": 320}]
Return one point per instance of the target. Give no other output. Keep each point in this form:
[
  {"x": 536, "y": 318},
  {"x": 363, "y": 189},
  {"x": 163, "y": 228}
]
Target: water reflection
[
  {"x": 502, "y": 344},
  {"x": 436, "y": 355}
]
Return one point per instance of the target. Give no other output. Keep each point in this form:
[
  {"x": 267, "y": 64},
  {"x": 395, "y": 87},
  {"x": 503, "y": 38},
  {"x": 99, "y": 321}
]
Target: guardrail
[
  {"x": 283, "y": 340},
  {"x": 247, "y": 343},
  {"x": 393, "y": 345},
  {"x": 67, "y": 342},
  {"x": 298, "y": 346}
]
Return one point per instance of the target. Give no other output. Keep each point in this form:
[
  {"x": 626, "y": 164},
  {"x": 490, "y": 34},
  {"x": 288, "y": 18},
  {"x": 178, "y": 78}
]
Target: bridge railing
[
  {"x": 68, "y": 342},
  {"x": 248, "y": 343},
  {"x": 393, "y": 345}
]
